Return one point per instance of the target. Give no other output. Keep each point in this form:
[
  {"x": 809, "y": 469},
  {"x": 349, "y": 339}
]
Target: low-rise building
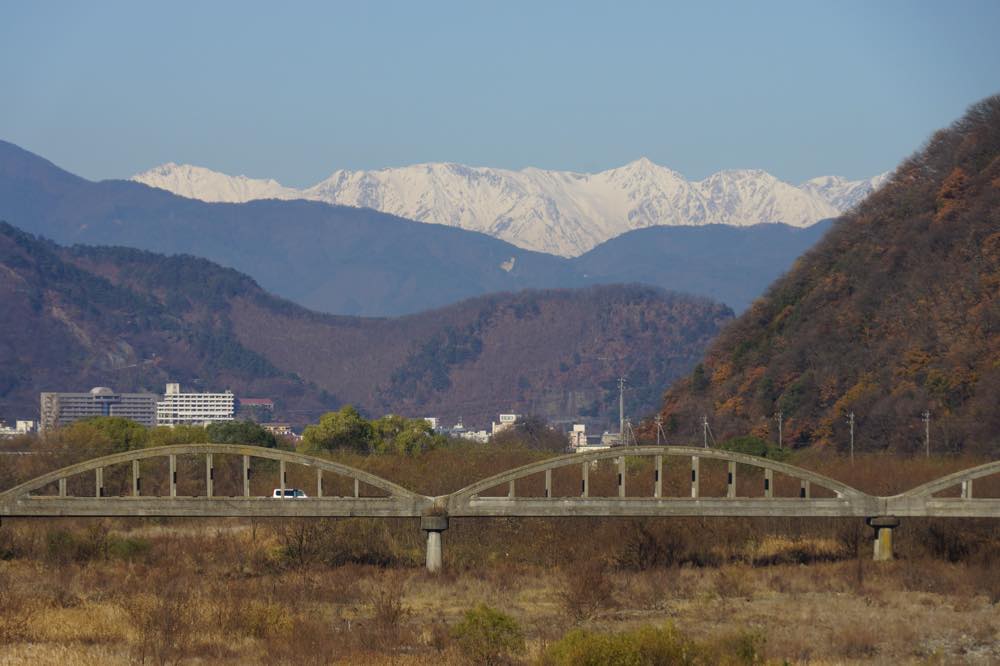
[
  {"x": 20, "y": 428},
  {"x": 60, "y": 409},
  {"x": 179, "y": 408},
  {"x": 506, "y": 421}
]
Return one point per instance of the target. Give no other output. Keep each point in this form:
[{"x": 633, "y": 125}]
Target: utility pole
[
  {"x": 704, "y": 430},
  {"x": 778, "y": 416},
  {"x": 630, "y": 434},
  {"x": 621, "y": 410},
  {"x": 658, "y": 420},
  {"x": 850, "y": 420},
  {"x": 927, "y": 431}
]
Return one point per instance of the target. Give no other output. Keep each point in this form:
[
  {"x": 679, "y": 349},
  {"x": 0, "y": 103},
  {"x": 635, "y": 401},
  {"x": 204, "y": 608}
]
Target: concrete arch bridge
[{"x": 740, "y": 485}]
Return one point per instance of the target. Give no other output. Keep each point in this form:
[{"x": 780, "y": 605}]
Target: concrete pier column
[
  {"x": 883, "y": 526},
  {"x": 434, "y": 526}
]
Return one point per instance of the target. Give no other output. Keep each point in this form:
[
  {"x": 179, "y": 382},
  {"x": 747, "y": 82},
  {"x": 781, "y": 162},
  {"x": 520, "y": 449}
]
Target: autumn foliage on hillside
[{"x": 895, "y": 312}]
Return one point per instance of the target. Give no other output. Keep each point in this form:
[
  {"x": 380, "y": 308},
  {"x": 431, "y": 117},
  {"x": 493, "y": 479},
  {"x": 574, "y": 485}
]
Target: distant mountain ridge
[
  {"x": 359, "y": 261},
  {"x": 557, "y": 212},
  {"x": 83, "y": 316}
]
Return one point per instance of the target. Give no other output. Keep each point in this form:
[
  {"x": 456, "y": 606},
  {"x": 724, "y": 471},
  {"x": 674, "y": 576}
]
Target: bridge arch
[
  {"x": 403, "y": 499},
  {"x": 463, "y": 501},
  {"x": 964, "y": 476}
]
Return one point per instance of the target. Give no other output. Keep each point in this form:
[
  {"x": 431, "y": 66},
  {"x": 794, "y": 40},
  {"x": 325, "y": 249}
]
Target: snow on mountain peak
[{"x": 559, "y": 212}]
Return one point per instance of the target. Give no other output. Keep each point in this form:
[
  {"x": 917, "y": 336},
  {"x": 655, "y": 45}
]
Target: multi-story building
[
  {"x": 59, "y": 409},
  {"x": 178, "y": 408},
  {"x": 506, "y": 421}
]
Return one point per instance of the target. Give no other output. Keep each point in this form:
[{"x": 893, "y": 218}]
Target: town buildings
[
  {"x": 149, "y": 409},
  {"x": 179, "y": 408},
  {"x": 59, "y": 409}
]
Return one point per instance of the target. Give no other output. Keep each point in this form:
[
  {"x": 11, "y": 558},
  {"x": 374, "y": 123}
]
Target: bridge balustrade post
[
  {"x": 883, "y": 526},
  {"x": 434, "y": 526},
  {"x": 621, "y": 476},
  {"x": 584, "y": 479},
  {"x": 173, "y": 475},
  {"x": 136, "y": 483},
  {"x": 695, "y": 464},
  {"x": 731, "y": 480},
  {"x": 548, "y": 483},
  {"x": 209, "y": 475},
  {"x": 658, "y": 477},
  {"x": 99, "y": 482},
  {"x": 246, "y": 476}
]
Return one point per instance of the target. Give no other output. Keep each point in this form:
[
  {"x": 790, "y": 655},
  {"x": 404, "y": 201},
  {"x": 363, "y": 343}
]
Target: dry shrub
[
  {"x": 384, "y": 596},
  {"x": 985, "y": 579},
  {"x": 310, "y": 641},
  {"x": 437, "y": 635},
  {"x": 644, "y": 544},
  {"x": 489, "y": 637},
  {"x": 858, "y": 640},
  {"x": 643, "y": 645},
  {"x": 650, "y": 590},
  {"x": 587, "y": 591},
  {"x": 773, "y": 550},
  {"x": 338, "y": 542},
  {"x": 15, "y": 612},
  {"x": 162, "y": 621},
  {"x": 733, "y": 582}
]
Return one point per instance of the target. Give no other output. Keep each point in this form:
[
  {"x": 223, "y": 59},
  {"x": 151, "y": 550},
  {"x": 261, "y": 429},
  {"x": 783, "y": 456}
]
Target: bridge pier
[
  {"x": 434, "y": 526},
  {"x": 883, "y": 526}
]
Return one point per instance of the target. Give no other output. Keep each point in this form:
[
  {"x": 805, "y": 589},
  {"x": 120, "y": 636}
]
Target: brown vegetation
[
  {"x": 895, "y": 311},
  {"x": 739, "y": 591}
]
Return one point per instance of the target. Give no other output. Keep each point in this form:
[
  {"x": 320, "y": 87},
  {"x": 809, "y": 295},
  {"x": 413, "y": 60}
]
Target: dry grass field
[{"x": 556, "y": 591}]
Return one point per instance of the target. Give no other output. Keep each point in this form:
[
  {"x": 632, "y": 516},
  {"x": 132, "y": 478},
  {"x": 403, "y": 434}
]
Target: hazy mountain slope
[
  {"x": 83, "y": 316},
  {"x": 733, "y": 265},
  {"x": 558, "y": 212},
  {"x": 353, "y": 261},
  {"x": 896, "y": 311},
  {"x": 69, "y": 328},
  {"x": 331, "y": 258}
]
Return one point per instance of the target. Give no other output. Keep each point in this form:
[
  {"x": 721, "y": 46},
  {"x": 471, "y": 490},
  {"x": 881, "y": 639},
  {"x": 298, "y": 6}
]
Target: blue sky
[{"x": 295, "y": 90}]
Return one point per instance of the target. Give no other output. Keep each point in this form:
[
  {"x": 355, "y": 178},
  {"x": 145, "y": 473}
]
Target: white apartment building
[
  {"x": 178, "y": 408},
  {"x": 506, "y": 421}
]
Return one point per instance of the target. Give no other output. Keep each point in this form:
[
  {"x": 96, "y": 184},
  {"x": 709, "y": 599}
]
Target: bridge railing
[
  {"x": 25, "y": 499},
  {"x": 923, "y": 500},
  {"x": 845, "y": 500}
]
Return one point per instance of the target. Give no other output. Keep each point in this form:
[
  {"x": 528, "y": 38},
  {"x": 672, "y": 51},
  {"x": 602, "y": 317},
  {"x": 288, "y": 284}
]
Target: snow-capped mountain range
[{"x": 558, "y": 212}]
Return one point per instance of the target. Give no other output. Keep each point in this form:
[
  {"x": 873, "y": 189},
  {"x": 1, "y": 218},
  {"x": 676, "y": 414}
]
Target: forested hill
[
  {"x": 83, "y": 316},
  {"x": 895, "y": 311}
]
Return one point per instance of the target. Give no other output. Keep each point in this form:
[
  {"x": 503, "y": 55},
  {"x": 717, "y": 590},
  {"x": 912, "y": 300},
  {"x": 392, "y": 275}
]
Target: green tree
[
  {"x": 241, "y": 432},
  {"x": 180, "y": 434},
  {"x": 755, "y": 446},
  {"x": 111, "y": 434},
  {"x": 396, "y": 434},
  {"x": 488, "y": 636},
  {"x": 343, "y": 429}
]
